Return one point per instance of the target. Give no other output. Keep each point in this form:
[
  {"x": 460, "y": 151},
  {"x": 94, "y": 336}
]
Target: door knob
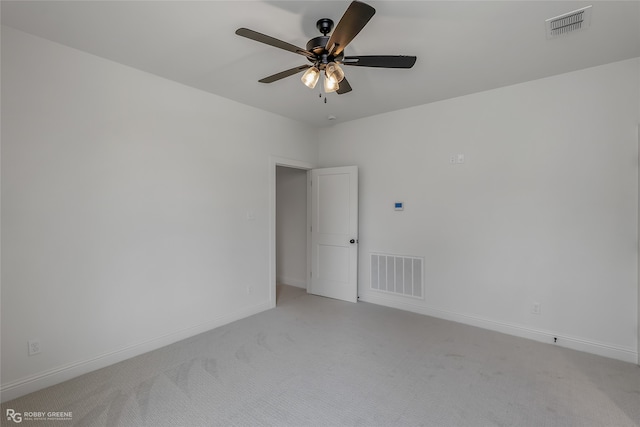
[{"x": 352, "y": 241}]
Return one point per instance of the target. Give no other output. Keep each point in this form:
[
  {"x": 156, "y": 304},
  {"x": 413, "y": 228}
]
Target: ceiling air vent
[{"x": 568, "y": 22}]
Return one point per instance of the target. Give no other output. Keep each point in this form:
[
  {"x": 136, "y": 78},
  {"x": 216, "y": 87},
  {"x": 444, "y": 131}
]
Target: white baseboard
[
  {"x": 601, "y": 349},
  {"x": 63, "y": 373},
  {"x": 300, "y": 283}
]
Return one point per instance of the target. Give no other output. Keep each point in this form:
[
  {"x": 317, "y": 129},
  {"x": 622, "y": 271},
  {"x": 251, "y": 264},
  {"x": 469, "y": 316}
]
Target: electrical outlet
[
  {"x": 535, "y": 308},
  {"x": 33, "y": 347}
]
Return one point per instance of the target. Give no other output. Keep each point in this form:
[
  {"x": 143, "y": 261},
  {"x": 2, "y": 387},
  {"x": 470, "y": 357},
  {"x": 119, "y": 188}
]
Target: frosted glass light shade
[
  {"x": 310, "y": 77},
  {"x": 333, "y": 71},
  {"x": 330, "y": 84}
]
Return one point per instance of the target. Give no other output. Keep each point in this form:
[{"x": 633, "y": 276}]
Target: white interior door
[{"x": 334, "y": 233}]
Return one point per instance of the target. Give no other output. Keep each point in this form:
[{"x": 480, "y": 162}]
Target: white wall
[
  {"x": 544, "y": 209},
  {"x": 124, "y": 210},
  {"x": 291, "y": 226},
  {"x": 125, "y": 199}
]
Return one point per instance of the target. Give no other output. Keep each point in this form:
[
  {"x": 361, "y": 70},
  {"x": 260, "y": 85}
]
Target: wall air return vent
[
  {"x": 568, "y": 22},
  {"x": 400, "y": 275}
]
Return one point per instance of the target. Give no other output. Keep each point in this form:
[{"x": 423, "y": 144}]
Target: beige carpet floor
[{"x": 314, "y": 361}]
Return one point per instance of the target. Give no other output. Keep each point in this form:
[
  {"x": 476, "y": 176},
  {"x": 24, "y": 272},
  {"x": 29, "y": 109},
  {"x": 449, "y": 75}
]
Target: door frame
[{"x": 274, "y": 162}]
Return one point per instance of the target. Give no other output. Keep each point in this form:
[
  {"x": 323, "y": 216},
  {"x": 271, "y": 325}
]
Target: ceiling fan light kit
[
  {"x": 330, "y": 85},
  {"x": 310, "y": 77},
  {"x": 334, "y": 72},
  {"x": 326, "y": 53}
]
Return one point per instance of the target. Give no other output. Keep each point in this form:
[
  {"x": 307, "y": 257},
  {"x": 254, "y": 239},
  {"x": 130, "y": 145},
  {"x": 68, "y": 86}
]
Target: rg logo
[{"x": 14, "y": 416}]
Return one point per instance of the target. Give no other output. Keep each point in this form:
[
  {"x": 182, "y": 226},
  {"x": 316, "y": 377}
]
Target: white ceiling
[{"x": 462, "y": 47}]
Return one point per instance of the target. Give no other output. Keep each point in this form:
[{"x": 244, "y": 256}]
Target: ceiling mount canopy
[
  {"x": 324, "y": 25},
  {"x": 326, "y": 53}
]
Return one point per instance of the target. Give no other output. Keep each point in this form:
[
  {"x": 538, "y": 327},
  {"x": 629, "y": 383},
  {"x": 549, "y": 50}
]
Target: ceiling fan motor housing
[{"x": 317, "y": 46}]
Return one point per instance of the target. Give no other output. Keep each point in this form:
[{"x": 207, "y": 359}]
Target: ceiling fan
[{"x": 326, "y": 53}]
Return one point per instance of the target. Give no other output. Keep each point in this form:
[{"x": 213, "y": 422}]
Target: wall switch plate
[
  {"x": 33, "y": 347},
  {"x": 456, "y": 159}
]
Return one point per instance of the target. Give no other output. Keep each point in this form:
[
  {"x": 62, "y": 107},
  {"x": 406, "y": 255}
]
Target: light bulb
[
  {"x": 334, "y": 71},
  {"x": 310, "y": 77},
  {"x": 330, "y": 84}
]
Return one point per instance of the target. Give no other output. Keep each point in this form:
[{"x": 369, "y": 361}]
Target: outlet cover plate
[{"x": 33, "y": 347}]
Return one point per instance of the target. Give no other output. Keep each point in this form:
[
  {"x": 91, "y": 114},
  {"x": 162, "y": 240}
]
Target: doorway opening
[
  {"x": 289, "y": 224},
  {"x": 331, "y": 245},
  {"x": 291, "y": 228}
]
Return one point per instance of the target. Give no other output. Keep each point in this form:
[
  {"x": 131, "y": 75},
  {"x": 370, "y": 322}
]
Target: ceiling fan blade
[
  {"x": 343, "y": 87},
  {"x": 353, "y": 20},
  {"x": 271, "y": 41},
  {"x": 381, "y": 61},
  {"x": 283, "y": 74}
]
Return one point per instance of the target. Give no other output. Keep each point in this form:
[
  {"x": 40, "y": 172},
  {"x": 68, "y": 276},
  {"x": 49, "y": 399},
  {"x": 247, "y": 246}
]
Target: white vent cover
[
  {"x": 401, "y": 275},
  {"x": 568, "y": 22}
]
